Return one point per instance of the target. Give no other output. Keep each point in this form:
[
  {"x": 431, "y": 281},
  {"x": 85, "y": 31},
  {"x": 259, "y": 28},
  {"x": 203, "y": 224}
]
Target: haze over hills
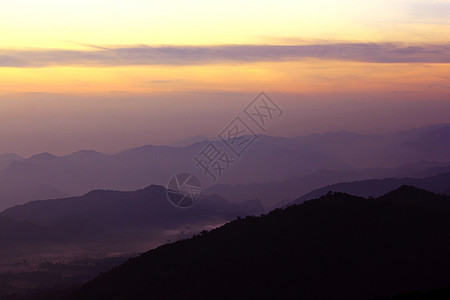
[
  {"x": 7, "y": 158},
  {"x": 58, "y": 242},
  {"x": 189, "y": 141},
  {"x": 268, "y": 159},
  {"x": 109, "y": 215},
  {"x": 20, "y": 232},
  {"x": 16, "y": 196},
  {"x": 336, "y": 247},
  {"x": 387, "y": 150},
  {"x": 138, "y": 167},
  {"x": 105, "y": 222},
  {"x": 272, "y": 194},
  {"x": 99, "y": 214},
  {"x": 376, "y": 187}
]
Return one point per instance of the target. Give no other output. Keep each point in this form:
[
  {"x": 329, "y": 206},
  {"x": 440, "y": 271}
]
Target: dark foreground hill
[
  {"x": 336, "y": 247},
  {"x": 60, "y": 243}
]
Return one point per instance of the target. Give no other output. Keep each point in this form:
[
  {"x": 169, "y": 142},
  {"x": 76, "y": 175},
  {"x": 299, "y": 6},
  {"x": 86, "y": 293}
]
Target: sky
[{"x": 111, "y": 75}]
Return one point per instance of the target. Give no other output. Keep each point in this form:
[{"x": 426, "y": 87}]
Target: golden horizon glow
[
  {"x": 82, "y": 25},
  {"x": 312, "y": 76}
]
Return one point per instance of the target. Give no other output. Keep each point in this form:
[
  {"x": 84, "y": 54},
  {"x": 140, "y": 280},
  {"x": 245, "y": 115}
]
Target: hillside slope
[{"x": 336, "y": 247}]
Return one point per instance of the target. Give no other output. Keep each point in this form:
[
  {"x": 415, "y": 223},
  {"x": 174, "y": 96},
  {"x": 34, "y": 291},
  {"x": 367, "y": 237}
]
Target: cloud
[{"x": 197, "y": 55}]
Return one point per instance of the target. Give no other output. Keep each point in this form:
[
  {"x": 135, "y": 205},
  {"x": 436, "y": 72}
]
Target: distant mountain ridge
[
  {"x": 268, "y": 159},
  {"x": 190, "y": 141},
  {"x": 376, "y": 187},
  {"x": 384, "y": 150},
  {"x": 272, "y": 194},
  {"x": 7, "y": 158}
]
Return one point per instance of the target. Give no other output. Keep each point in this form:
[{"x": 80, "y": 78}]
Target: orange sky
[{"x": 102, "y": 50}]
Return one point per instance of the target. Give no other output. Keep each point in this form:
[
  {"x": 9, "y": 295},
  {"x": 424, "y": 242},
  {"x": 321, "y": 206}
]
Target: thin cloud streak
[{"x": 199, "y": 55}]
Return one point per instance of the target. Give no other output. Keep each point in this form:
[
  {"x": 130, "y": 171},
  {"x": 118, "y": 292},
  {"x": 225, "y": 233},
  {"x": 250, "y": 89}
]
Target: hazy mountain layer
[
  {"x": 268, "y": 159},
  {"x": 376, "y": 187},
  {"x": 278, "y": 193}
]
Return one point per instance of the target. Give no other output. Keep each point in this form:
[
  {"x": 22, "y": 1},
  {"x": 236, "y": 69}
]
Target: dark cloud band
[{"x": 197, "y": 55}]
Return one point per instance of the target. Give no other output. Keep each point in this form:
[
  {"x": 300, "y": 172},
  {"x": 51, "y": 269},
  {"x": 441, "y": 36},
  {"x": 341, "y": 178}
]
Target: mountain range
[
  {"x": 279, "y": 193},
  {"x": 376, "y": 187},
  {"x": 107, "y": 219},
  {"x": 269, "y": 159}
]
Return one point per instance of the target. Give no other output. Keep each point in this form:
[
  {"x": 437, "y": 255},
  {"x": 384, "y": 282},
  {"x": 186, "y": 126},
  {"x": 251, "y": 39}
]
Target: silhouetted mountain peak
[
  {"x": 10, "y": 156},
  {"x": 86, "y": 154},
  {"x": 342, "y": 133},
  {"x": 99, "y": 192},
  {"x": 334, "y": 134},
  {"x": 146, "y": 148},
  {"x": 154, "y": 190},
  {"x": 189, "y": 141},
  {"x": 154, "y": 187},
  {"x": 414, "y": 196},
  {"x": 151, "y": 190},
  {"x": 379, "y": 187},
  {"x": 408, "y": 191},
  {"x": 42, "y": 157}
]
